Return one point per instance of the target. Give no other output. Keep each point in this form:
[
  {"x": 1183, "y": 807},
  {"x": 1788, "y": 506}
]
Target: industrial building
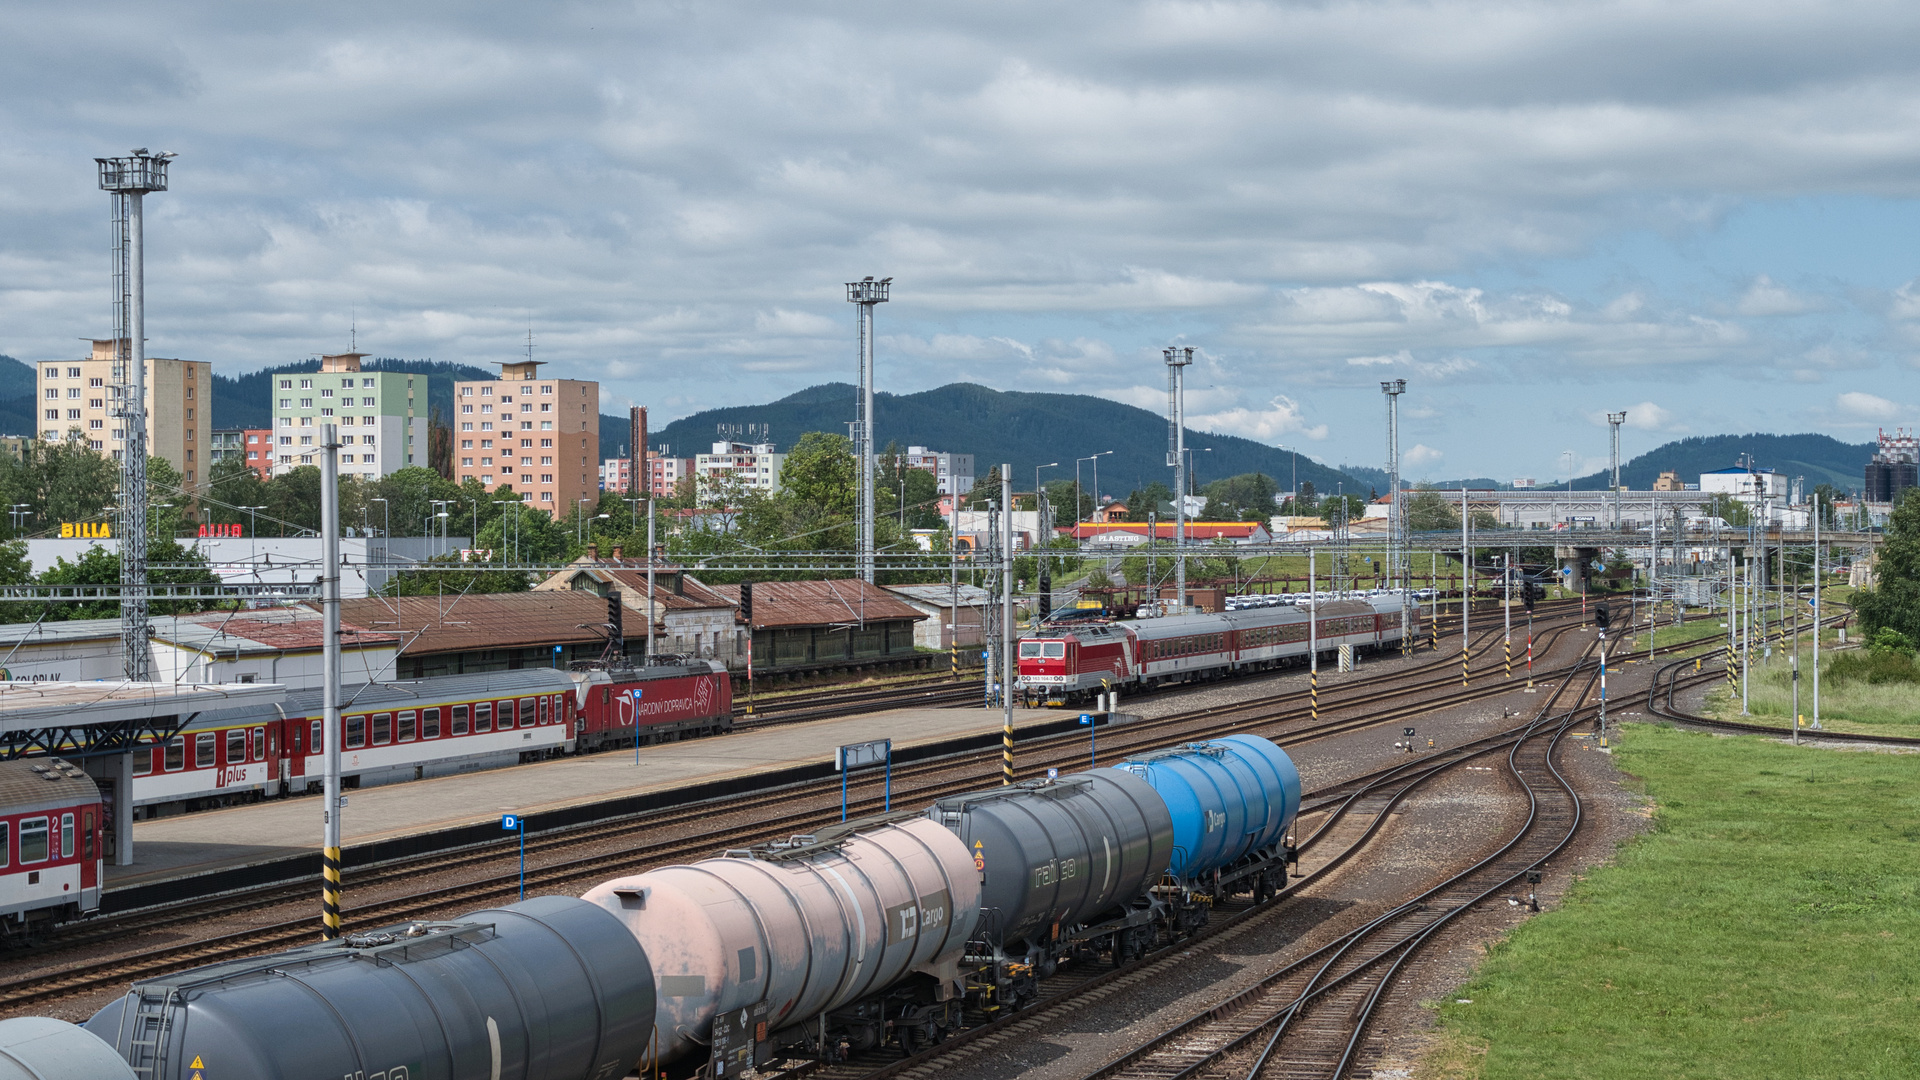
[
  {"x": 539, "y": 436},
  {"x": 381, "y": 417},
  {"x": 78, "y": 400}
]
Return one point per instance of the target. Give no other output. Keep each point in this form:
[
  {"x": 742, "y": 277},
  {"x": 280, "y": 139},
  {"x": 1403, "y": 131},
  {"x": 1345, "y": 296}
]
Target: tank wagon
[
  {"x": 848, "y": 938},
  {"x": 1232, "y": 801},
  {"x": 549, "y": 987},
  {"x": 1078, "y": 659},
  {"x": 1066, "y": 870},
  {"x": 887, "y": 931}
]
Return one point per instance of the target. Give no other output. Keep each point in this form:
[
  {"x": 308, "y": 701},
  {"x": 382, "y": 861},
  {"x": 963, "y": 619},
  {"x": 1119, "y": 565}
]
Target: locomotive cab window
[
  {"x": 176, "y": 756},
  {"x": 459, "y": 719},
  {"x": 33, "y": 840}
]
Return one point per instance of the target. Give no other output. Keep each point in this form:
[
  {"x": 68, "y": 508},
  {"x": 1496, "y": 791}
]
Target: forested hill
[
  {"x": 1822, "y": 459},
  {"x": 1023, "y": 428}
]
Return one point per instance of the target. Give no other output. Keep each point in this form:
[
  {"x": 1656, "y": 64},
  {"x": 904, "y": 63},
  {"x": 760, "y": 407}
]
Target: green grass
[
  {"x": 1768, "y": 927},
  {"x": 1845, "y": 705}
]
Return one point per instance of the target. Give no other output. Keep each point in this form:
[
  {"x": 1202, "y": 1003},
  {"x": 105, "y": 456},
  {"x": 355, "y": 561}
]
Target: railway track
[{"x": 806, "y": 808}]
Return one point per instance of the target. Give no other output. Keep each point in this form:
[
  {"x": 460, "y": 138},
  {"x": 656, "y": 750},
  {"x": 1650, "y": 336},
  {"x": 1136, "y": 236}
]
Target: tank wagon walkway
[{"x": 192, "y": 845}]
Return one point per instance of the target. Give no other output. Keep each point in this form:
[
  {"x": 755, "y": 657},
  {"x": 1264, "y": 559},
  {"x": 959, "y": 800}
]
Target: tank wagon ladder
[{"x": 152, "y": 1032}]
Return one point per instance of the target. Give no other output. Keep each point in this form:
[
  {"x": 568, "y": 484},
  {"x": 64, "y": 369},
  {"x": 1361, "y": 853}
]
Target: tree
[
  {"x": 1147, "y": 499},
  {"x": 1894, "y": 601},
  {"x": 821, "y": 470},
  {"x": 1429, "y": 511},
  {"x": 1247, "y": 497},
  {"x": 1730, "y": 510}
]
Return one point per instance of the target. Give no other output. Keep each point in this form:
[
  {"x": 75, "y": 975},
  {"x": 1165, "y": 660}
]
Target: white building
[
  {"x": 381, "y": 415},
  {"x": 953, "y": 472},
  {"x": 1745, "y": 485},
  {"x": 752, "y": 465}
]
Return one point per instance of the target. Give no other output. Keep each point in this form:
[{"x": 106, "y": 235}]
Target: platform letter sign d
[{"x": 509, "y": 822}]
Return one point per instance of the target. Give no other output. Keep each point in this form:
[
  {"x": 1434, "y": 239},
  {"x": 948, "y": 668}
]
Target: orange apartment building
[{"x": 539, "y": 436}]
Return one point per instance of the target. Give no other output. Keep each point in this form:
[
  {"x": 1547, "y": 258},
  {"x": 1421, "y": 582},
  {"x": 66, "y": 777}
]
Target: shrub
[{"x": 1874, "y": 666}]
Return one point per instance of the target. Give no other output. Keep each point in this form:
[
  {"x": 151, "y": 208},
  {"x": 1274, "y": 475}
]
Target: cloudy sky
[{"x": 1702, "y": 213}]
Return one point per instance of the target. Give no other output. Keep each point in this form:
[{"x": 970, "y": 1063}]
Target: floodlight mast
[
  {"x": 866, "y": 293},
  {"x": 1177, "y": 361},
  {"x": 127, "y": 180}
]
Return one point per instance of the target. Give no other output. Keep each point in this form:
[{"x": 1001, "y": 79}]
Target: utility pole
[
  {"x": 330, "y": 694},
  {"x": 866, "y": 293},
  {"x": 1177, "y": 361},
  {"x": 128, "y": 180},
  {"x": 1006, "y": 626},
  {"x": 1396, "y": 526},
  {"x": 1614, "y": 420}
]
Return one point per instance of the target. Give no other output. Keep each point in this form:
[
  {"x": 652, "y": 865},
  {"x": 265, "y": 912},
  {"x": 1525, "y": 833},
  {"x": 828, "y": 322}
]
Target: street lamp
[{"x": 1095, "y": 458}]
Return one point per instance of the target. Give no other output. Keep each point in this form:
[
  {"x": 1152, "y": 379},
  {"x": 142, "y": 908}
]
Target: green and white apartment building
[{"x": 382, "y": 417}]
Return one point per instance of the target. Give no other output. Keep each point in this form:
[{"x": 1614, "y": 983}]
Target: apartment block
[
  {"x": 78, "y": 399},
  {"x": 381, "y": 415},
  {"x": 753, "y": 465},
  {"x": 538, "y": 435}
]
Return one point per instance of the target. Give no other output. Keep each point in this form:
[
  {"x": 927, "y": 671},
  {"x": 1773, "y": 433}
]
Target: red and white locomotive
[
  {"x": 51, "y": 845},
  {"x": 428, "y": 727},
  {"x": 1078, "y": 659}
]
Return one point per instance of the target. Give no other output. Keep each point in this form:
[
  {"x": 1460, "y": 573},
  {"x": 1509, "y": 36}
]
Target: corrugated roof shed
[
  {"x": 839, "y": 602},
  {"x": 434, "y": 624}
]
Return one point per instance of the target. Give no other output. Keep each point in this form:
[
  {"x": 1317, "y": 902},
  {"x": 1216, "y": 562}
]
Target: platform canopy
[{"x": 82, "y": 719}]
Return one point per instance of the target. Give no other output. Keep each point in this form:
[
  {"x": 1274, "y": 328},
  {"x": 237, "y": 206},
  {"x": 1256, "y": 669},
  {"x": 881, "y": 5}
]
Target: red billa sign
[{"x": 221, "y": 532}]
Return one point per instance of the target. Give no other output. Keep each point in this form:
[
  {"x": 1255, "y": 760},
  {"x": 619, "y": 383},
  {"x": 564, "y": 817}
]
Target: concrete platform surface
[{"x": 191, "y": 844}]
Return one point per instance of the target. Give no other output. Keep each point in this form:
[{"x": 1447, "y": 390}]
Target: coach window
[
  {"x": 237, "y": 746},
  {"x": 459, "y": 719},
  {"x": 430, "y": 724},
  {"x": 356, "y": 731},
  {"x": 203, "y": 746},
  {"x": 33, "y": 840},
  {"x": 483, "y": 716},
  {"x": 382, "y": 728},
  {"x": 66, "y": 836},
  {"x": 176, "y": 754},
  {"x": 526, "y": 712},
  {"x": 406, "y": 725},
  {"x": 142, "y": 760}
]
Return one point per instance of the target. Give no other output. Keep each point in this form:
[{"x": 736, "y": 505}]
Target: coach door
[{"x": 297, "y": 749}]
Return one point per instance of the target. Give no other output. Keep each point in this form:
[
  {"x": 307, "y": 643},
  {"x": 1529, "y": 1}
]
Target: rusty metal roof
[{"x": 839, "y": 602}]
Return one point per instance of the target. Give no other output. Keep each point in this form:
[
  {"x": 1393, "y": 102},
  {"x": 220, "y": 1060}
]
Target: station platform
[{"x": 212, "y": 851}]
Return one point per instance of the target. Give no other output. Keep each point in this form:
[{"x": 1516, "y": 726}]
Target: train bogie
[
  {"x": 548, "y": 987},
  {"x": 845, "y": 939}
]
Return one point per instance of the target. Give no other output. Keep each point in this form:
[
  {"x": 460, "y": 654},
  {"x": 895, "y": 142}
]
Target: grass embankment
[{"x": 1768, "y": 927}]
